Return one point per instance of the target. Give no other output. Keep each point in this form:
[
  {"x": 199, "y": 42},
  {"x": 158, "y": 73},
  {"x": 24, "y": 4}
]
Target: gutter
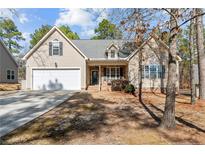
[{"x": 105, "y": 59}]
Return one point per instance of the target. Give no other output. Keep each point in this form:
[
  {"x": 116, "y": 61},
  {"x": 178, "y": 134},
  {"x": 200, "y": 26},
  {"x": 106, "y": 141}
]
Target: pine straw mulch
[
  {"x": 9, "y": 86},
  {"x": 113, "y": 118}
]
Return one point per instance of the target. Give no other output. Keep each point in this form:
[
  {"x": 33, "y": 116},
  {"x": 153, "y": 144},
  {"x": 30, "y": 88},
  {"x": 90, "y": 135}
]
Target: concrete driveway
[{"x": 18, "y": 108}]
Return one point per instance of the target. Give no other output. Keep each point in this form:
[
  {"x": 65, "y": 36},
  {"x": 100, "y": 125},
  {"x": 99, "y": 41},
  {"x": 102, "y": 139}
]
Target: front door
[{"x": 94, "y": 79}]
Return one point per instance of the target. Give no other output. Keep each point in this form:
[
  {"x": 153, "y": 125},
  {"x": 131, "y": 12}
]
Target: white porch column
[{"x": 99, "y": 78}]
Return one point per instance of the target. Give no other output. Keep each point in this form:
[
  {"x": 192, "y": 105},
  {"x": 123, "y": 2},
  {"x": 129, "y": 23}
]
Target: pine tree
[
  {"x": 10, "y": 35},
  {"x": 201, "y": 53},
  {"x": 192, "y": 57}
]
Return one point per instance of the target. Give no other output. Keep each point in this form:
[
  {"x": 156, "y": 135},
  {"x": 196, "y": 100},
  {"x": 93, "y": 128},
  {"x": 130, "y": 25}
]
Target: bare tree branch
[
  {"x": 170, "y": 14},
  {"x": 191, "y": 19}
]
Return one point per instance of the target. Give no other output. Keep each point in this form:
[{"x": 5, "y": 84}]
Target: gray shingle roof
[{"x": 97, "y": 48}]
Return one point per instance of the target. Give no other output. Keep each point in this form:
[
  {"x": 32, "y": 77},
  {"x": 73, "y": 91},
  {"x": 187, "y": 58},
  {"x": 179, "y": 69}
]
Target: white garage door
[{"x": 56, "y": 79}]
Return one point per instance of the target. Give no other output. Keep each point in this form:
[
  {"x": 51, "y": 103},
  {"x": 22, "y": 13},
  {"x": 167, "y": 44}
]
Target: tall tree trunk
[
  {"x": 168, "y": 120},
  {"x": 10, "y": 44},
  {"x": 181, "y": 78},
  {"x": 201, "y": 53},
  {"x": 162, "y": 90},
  {"x": 139, "y": 40},
  {"x": 140, "y": 76},
  {"x": 191, "y": 48}
]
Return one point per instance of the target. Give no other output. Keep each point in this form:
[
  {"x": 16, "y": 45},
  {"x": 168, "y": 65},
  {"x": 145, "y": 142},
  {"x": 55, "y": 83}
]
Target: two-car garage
[{"x": 56, "y": 79}]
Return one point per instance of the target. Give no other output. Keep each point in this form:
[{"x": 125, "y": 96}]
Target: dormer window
[
  {"x": 112, "y": 52},
  {"x": 55, "y": 48},
  {"x": 112, "y": 55}
]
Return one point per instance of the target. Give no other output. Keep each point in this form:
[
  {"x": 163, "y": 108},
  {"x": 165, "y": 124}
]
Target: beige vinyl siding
[
  {"x": 149, "y": 58},
  {"x": 71, "y": 58},
  {"x": 7, "y": 63}
]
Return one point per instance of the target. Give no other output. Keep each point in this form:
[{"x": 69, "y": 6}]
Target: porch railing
[{"x": 109, "y": 79}]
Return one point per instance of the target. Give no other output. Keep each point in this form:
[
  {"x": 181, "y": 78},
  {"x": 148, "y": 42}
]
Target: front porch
[{"x": 100, "y": 74}]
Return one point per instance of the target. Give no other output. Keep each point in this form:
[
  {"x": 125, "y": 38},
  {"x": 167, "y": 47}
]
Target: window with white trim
[
  {"x": 112, "y": 73},
  {"x": 112, "y": 54},
  {"x": 56, "y": 47},
  {"x": 146, "y": 71},
  {"x": 10, "y": 75},
  {"x": 153, "y": 71},
  {"x": 118, "y": 72}
]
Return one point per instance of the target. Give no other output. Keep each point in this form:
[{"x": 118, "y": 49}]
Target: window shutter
[
  {"x": 50, "y": 48},
  {"x": 61, "y": 48}
]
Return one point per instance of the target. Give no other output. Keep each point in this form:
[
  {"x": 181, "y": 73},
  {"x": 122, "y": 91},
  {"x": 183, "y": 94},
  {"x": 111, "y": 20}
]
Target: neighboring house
[
  {"x": 56, "y": 63},
  {"x": 8, "y": 66}
]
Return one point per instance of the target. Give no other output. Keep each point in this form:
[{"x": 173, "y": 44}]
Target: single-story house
[
  {"x": 57, "y": 62},
  {"x": 8, "y": 66}
]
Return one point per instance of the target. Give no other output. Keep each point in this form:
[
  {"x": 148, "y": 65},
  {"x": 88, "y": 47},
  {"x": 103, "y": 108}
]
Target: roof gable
[
  {"x": 138, "y": 49},
  {"x": 8, "y": 52},
  {"x": 28, "y": 54},
  {"x": 155, "y": 38},
  {"x": 112, "y": 45}
]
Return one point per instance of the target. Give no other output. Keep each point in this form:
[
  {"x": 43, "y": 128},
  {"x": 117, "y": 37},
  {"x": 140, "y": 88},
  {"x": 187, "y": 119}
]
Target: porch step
[
  {"x": 96, "y": 88},
  {"x": 93, "y": 88},
  {"x": 105, "y": 88}
]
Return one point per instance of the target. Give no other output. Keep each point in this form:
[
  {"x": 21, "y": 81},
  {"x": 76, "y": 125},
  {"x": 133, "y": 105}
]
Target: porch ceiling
[{"x": 106, "y": 62}]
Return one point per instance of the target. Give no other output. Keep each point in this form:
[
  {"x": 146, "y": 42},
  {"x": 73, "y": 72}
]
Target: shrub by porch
[{"x": 119, "y": 85}]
